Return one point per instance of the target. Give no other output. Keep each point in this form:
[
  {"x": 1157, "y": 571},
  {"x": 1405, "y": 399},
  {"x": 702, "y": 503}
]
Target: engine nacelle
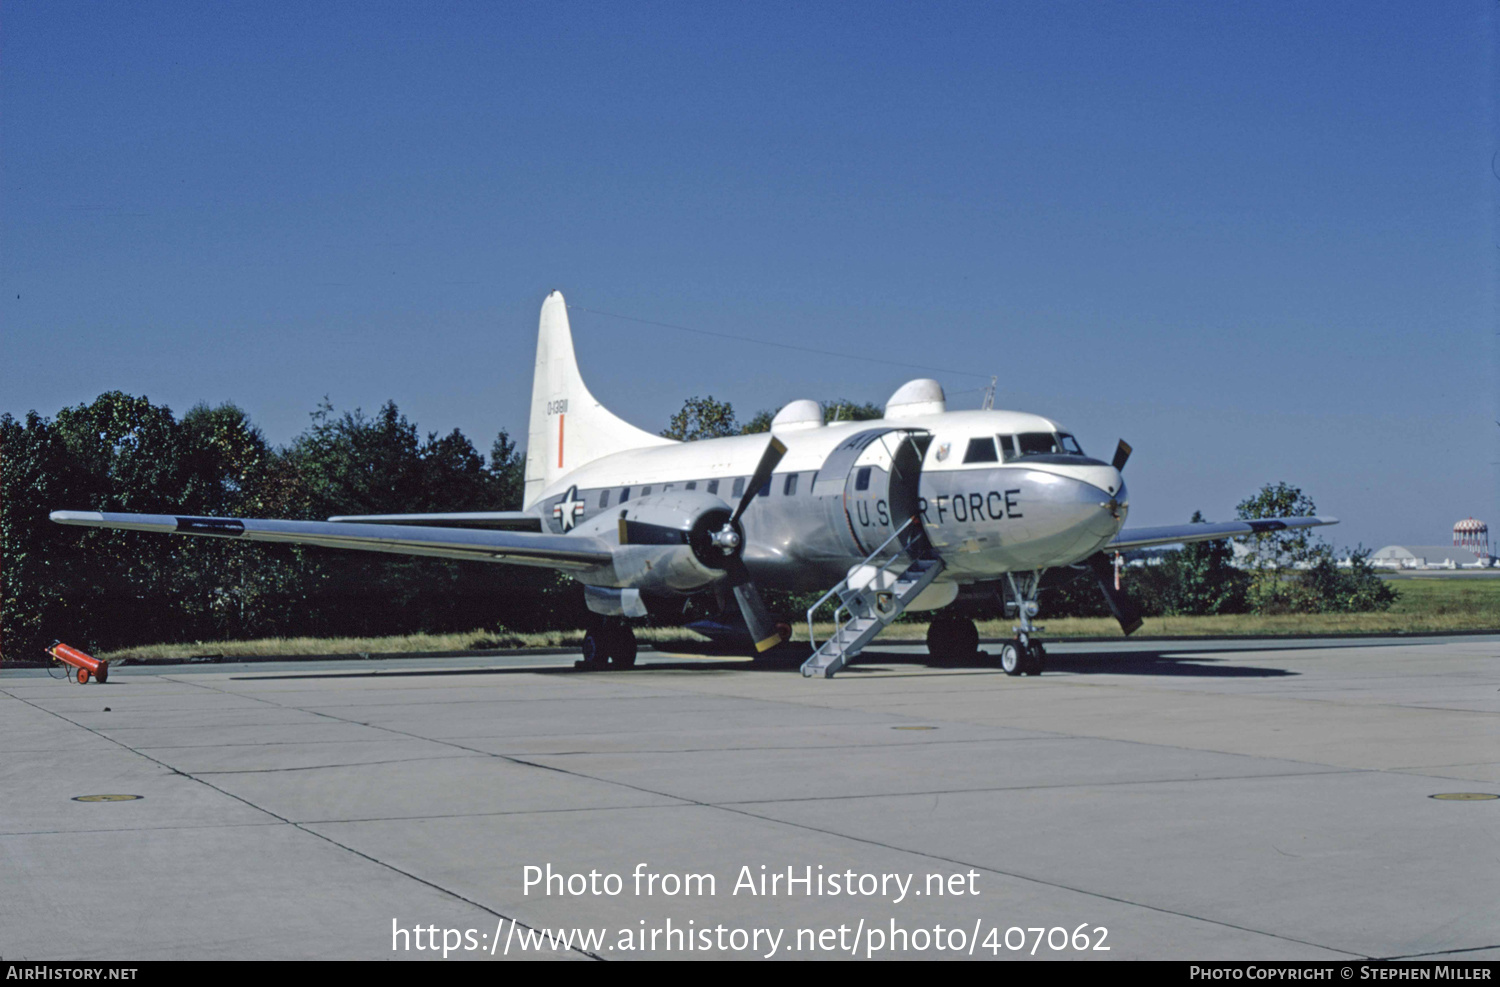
[{"x": 678, "y": 543}]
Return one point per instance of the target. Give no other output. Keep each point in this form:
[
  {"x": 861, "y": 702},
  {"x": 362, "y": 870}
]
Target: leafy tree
[
  {"x": 507, "y": 471},
  {"x": 1356, "y": 588},
  {"x": 844, "y": 410},
  {"x": 702, "y": 418},
  {"x": 837, "y": 410},
  {"x": 34, "y": 560},
  {"x": 760, "y": 423},
  {"x": 1272, "y": 555},
  {"x": 1200, "y": 578}
]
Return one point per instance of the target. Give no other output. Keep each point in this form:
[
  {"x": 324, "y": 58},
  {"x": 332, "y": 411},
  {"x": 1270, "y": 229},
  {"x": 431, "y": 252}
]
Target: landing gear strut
[
  {"x": 1023, "y": 654},
  {"x": 608, "y": 643},
  {"x": 951, "y": 636}
]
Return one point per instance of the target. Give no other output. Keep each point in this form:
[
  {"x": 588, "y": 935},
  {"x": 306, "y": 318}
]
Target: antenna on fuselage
[{"x": 989, "y": 396}]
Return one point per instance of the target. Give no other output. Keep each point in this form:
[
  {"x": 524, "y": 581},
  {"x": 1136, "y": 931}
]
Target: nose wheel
[
  {"x": 1023, "y": 654},
  {"x": 1018, "y": 657}
]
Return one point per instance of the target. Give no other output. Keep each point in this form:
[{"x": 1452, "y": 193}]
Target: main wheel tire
[
  {"x": 1036, "y": 658},
  {"x": 1012, "y": 658},
  {"x": 964, "y": 638},
  {"x": 622, "y": 650},
  {"x": 940, "y": 639},
  {"x": 596, "y": 647}
]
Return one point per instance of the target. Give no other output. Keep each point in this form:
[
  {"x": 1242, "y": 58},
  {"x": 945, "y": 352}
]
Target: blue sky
[{"x": 1257, "y": 240}]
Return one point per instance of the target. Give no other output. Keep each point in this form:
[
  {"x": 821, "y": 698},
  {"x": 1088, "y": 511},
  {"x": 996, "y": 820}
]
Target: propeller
[
  {"x": 1122, "y": 606},
  {"x": 769, "y": 459},
  {"x": 763, "y": 629},
  {"x": 723, "y": 545}
]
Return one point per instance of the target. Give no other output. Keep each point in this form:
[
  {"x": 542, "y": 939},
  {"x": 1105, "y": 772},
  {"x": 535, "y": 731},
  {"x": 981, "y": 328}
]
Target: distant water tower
[{"x": 1473, "y": 535}]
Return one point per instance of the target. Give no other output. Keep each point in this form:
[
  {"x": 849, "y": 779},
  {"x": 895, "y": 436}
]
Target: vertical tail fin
[{"x": 568, "y": 426}]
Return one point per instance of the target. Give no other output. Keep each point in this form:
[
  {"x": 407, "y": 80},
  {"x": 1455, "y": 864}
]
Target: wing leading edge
[
  {"x": 570, "y": 552},
  {"x": 1174, "y": 534}
]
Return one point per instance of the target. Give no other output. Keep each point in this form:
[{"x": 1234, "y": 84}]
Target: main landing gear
[
  {"x": 1023, "y": 654},
  {"x": 951, "y": 636},
  {"x": 608, "y": 643}
]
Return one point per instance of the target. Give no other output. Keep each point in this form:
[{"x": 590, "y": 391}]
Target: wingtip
[{"x": 76, "y": 517}]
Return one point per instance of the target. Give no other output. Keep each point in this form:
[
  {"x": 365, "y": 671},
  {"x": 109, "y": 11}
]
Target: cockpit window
[
  {"x": 981, "y": 451},
  {"x": 1038, "y": 443},
  {"x": 1007, "y": 448},
  {"x": 1069, "y": 444}
]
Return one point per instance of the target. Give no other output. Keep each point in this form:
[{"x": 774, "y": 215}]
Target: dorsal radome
[
  {"x": 797, "y": 415},
  {"x": 914, "y": 398}
]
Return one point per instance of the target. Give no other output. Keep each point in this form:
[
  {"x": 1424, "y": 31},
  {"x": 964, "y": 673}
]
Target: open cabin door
[{"x": 869, "y": 485}]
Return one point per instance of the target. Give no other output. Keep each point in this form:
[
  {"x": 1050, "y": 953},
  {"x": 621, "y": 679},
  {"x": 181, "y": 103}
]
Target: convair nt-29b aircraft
[{"x": 901, "y": 513}]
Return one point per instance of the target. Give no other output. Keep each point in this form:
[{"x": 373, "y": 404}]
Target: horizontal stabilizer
[
  {"x": 1174, "y": 534},
  {"x": 488, "y": 520},
  {"x": 573, "y": 552}
]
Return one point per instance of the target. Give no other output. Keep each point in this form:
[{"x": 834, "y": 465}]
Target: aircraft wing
[
  {"x": 1174, "y": 534},
  {"x": 570, "y": 552},
  {"x": 492, "y": 520}
]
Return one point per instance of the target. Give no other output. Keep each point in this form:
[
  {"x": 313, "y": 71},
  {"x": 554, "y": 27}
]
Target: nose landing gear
[{"x": 1023, "y": 654}]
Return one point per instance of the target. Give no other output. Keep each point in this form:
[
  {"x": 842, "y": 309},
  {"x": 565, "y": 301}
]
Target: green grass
[{"x": 1428, "y": 605}]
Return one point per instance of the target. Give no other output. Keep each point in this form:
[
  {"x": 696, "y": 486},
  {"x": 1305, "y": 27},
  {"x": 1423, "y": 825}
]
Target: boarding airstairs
[{"x": 875, "y": 592}]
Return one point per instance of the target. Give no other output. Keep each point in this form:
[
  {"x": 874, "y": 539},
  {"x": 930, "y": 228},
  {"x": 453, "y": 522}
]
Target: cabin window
[
  {"x": 692, "y": 485},
  {"x": 739, "y": 486},
  {"x": 713, "y": 486},
  {"x": 981, "y": 451},
  {"x": 862, "y": 478},
  {"x": 666, "y": 488},
  {"x": 645, "y": 491},
  {"x": 1069, "y": 444},
  {"x": 1007, "y": 448},
  {"x": 789, "y": 488},
  {"x": 624, "y": 495},
  {"x": 604, "y": 498},
  {"x": 1038, "y": 443}
]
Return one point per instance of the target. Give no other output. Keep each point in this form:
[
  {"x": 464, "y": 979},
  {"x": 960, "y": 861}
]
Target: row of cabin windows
[
  {"x": 982, "y": 450},
  {"x": 788, "y": 488}
]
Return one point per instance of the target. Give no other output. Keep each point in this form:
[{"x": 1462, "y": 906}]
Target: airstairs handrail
[{"x": 869, "y": 559}]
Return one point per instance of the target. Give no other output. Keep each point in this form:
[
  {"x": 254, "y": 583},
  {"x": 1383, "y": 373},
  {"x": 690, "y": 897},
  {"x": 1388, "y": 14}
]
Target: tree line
[
  {"x": 103, "y": 589},
  {"x": 107, "y": 589}
]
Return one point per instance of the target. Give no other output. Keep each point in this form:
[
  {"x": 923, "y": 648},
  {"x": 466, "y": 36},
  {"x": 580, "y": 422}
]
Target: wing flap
[
  {"x": 572, "y": 552},
  {"x": 1174, "y": 534},
  {"x": 487, "y": 520}
]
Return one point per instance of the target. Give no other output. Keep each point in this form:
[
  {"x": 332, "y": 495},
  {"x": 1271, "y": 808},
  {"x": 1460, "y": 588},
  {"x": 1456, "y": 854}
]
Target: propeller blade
[
  {"x": 775, "y": 449},
  {"x": 763, "y": 629},
  {"x": 1122, "y": 606},
  {"x": 1122, "y": 454}
]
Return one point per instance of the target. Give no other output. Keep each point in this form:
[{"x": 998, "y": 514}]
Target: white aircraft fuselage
[{"x": 829, "y": 505}]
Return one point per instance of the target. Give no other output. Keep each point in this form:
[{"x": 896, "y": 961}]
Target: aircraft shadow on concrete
[{"x": 707, "y": 660}]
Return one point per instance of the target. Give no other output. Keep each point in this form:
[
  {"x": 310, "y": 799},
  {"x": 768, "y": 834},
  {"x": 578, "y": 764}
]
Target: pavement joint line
[
  {"x": 135, "y": 829},
  {"x": 680, "y": 804},
  {"x": 1038, "y": 788},
  {"x": 301, "y": 828},
  {"x": 321, "y": 767},
  {"x": 1440, "y": 952},
  {"x": 918, "y": 853}
]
